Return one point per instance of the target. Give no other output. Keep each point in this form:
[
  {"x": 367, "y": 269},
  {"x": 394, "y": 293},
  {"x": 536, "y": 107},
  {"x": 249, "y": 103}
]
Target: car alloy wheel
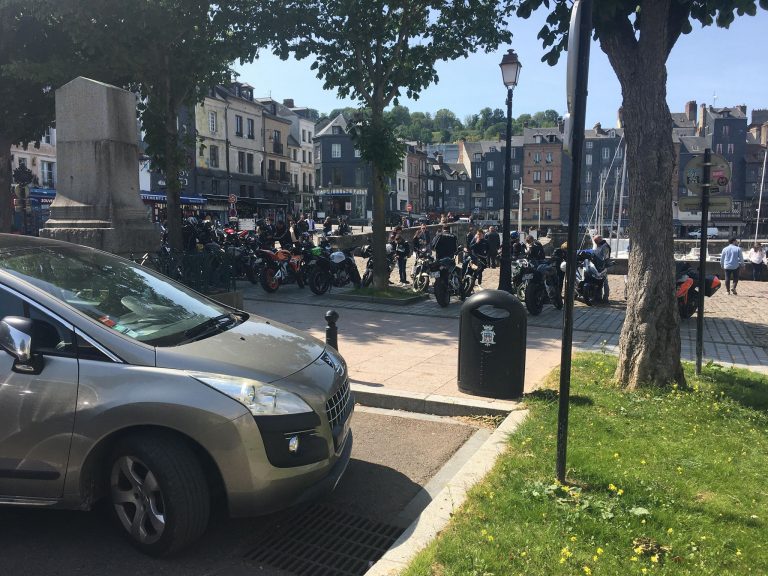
[{"x": 137, "y": 499}]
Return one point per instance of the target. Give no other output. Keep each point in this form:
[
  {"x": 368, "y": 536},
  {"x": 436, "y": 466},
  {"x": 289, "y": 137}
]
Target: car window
[
  {"x": 115, "y": 292},
  {"x": 51, "y": 337}
]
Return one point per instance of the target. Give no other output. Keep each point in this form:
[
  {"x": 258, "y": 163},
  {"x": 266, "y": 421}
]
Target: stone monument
[{"x": 98, "y": 199}]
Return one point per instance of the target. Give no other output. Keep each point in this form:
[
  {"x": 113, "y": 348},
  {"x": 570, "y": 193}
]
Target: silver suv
[{"x": 116, "y": 382}]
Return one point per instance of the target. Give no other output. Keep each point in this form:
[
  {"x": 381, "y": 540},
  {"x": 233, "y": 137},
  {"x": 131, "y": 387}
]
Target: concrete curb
[
  {"x": 433, "y": 403},
  {"x": 437, "y": 514}
]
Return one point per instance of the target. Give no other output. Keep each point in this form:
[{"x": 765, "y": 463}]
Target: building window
[
  {"x": 589, "y": 145},
  {"x": 238, "y": 125},
  {"x": 515, "y": 168},
  {"x": 335, "y": 150},
  {"x": 725, "y": 130},
  {"x": 478, "y": 187},
  {"x": 212, "y": 122},
  {"x": 588, "y": 177},
  {"x": 587, "y": 195},
  {"x": 548, "y": 176},
  {"x": 251, "y": 190},
  {"x": 295, "y": 153},
  {"x": 214, "y": 186},
  {"x": 548, "y": 195},
  {"x": 431, "y": 185},
  {"x": 249, "y": 164},
  {"x": 251, "y": 129},
  {"x": 478, "y": 172},
  {"x": 537, "y": 158},
  {"x": 589, "y": 159},
  {"x": 515, "y": 184},
  {"x": 478, "y": 156},
  {"x": 606, "y": 153},
  {"x": 730, "y": 148},
  {"x": 549, "y": 158},
  {"x": 719, "y": 148},
  {"x": 514, "y": 153},
  {"x": 241, "y": 162},
  {"x": 309, "y": 136},
  {"x": 309, "y": 157},
  {"x": 537, "y": 176},
  {"x": 357, "y": 153},
  {"x": 489, "y": 182},
  {"x": 335, "y": 129},
  {"x": 22, "y": 162},
  {"x": 461, "y": 190},
  {"x": 489, "y": 203},
  {"x": 336, "y": 176},
  {"x": 213, "y": 156},
  {"x": 304, "y": 156},
  {"x": 48, "y": 172},
  {"x": 303, "y": 135},
  {"x": 619, "y": 152},
  {"x": 547, "y": 213},
  {"x": 489, "y": 166},
  {"x": 48, "y": 136},
  {"x": 359, "y": 177}
]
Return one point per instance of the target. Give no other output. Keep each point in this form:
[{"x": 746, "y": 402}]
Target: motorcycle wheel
[
  {"x": 421, "y": 282},
  {"x": 367, "y": 278},
  {"x": 250, "y": 274},
  {"x": 534, "y": 298},
  {"x": 268, "y": 280},
  {"x": 441, "y": 294},
  {"x": 319, "y": 282},
  {"x": 688, "y": 309}
]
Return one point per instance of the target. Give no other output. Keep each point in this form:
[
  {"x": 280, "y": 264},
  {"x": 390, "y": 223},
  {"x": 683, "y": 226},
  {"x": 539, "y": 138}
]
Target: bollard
[{"x": 331, "y": 332}]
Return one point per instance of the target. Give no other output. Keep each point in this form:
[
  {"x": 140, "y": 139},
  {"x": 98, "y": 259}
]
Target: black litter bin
[{"x": 492, "y": 337}]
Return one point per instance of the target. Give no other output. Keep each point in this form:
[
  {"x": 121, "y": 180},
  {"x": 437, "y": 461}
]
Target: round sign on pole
[
  {"x": 232, "y": 199},
  {"x": 719, "y": 174},
  {"x": 409, "y": 207}
]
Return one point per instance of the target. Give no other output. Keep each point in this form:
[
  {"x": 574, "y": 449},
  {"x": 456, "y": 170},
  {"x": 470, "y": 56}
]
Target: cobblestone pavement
[{"x": 735, "y": 327}]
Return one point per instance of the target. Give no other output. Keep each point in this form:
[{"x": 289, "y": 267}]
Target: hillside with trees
[{"x": 444, "y": 126}]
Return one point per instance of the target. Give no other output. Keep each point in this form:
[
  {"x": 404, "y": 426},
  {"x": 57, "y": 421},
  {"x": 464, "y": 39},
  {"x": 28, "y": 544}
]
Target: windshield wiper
[{"x": 210, "y": 326}]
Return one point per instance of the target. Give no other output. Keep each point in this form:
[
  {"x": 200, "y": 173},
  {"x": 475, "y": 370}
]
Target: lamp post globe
[{"x": 510, "y": 72}]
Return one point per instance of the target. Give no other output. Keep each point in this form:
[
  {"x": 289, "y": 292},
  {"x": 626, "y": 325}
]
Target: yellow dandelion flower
[
  {"x": 620, "y": 491},
  {"x": 642, "y": 462},
  {"x": 655, "y": 558},
  {"x": 594, "y": 558},
  {"x": 612, "y": 487},
  {"x": 615, "y": 454},
  {"x": 669, "y": 530},
  {"x": 587, "y": 570},
  {"x": 562, "y": 560},
  {"x": 637, "y": 550},
  {"x": 634, "y": 559},
  {"x": 599, "y": 550},
  {"x": 523, "y": 554},
  {"x": 644, "y": 570},
  {"x": 573, "y": 538},
  {"x": 738, "y": 551}
]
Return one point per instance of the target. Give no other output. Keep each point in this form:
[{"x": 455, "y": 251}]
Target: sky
[{"x": 715, "y": 66}]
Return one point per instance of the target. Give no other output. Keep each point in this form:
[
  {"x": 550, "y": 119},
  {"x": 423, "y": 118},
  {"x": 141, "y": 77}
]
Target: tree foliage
[
  {"x": 172, "y": 52},
  {"x": 377, "y": 51},
  {"x": 638, "y": 36}
]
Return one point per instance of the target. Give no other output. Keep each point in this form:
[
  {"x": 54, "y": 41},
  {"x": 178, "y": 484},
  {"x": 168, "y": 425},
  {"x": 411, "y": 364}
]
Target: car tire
[{"x": 158, "y": 493}]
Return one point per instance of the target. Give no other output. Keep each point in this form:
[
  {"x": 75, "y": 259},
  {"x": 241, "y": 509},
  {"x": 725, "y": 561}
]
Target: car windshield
[{"x": 118, "y": 293}]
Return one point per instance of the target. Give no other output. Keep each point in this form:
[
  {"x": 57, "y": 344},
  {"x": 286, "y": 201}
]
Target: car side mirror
[{"x": 16, "y": 339}]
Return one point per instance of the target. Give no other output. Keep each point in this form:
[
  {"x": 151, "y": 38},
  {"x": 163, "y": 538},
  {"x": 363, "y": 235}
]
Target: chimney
[
  {"x": 288, "y": 103},
  {"x": 439, "y": 158},
  {"x": 598, "y": 128},
  {"x": 743, "y": 108},
  {"x": 690, "y": 110},
  {"x": 702, "y": 123}
]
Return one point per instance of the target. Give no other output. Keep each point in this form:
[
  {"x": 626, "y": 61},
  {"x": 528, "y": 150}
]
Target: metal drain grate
[{"x": 324, "y": 541}]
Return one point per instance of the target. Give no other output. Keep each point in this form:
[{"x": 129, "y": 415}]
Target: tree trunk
[
  {"x": 6, "y": 197},
  {"x": 379, "y": 236},
  {"x": 649, "y": 348}
]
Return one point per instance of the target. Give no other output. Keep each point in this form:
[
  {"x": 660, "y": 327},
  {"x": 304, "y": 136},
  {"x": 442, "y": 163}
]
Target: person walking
[
  {"x": 731, "y": 260},
  {"x": 494, "y": 243},
  {"x": 756, "y": 256}
]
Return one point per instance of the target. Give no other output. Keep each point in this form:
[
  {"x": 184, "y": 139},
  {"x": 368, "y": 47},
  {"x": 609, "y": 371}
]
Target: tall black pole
[
  {"x": 703, "y": 256},
  {"x": 505, "y": 276},
  {"x": 579, "y": 114}
]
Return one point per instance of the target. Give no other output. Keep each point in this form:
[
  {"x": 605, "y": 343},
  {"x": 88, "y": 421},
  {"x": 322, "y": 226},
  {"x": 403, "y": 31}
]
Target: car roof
[{"x": 17, "y": 241}]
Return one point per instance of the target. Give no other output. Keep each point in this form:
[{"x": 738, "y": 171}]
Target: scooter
[{"x": 688, "y": 286}]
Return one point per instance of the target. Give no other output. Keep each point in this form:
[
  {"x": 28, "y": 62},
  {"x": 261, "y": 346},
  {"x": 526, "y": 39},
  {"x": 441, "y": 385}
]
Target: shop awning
[{"x": 162, "y": 198}]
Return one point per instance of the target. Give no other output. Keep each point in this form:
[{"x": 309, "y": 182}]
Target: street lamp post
[{"x": 510, "y": 72}]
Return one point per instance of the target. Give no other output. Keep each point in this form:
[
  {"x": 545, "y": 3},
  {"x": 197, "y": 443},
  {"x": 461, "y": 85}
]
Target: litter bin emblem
[{"x": 488, "y": 335}]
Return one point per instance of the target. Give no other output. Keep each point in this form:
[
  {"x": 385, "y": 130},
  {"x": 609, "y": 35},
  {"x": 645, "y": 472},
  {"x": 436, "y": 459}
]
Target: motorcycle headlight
[{"x": 260, "y": 399}]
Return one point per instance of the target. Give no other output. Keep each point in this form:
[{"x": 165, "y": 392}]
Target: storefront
[
  {"x": 351, "y": 203},
  {"x": 30, "y": 214},
  {"x": 157, "y": 205}
]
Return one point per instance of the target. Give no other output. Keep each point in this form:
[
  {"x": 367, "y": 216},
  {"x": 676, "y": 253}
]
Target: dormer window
[
  {"x": 335, "y": 129},
  {"x": 478, "y": 156}
]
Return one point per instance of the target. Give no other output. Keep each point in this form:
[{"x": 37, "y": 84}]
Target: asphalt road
[{"x": 393, "y": 457}]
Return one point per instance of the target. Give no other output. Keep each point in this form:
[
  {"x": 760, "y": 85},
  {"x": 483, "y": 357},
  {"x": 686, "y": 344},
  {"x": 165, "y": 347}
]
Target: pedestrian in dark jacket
[
  {"x": 494, "y": 243},
  {"x": 478, "y": 247},
  {"x": 402, "y": 250},
  {"x": 535, "y": 249},
  {"x": 327, "y": 226},
  {"x": 422, "y": 240},
  {"x": 518, "y": 248},
  {"x": 445, "y": 244}
]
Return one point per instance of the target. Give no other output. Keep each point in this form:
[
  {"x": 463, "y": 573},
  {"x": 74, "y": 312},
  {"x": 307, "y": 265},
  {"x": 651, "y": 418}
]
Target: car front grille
[{"x": 338, "y": 407}]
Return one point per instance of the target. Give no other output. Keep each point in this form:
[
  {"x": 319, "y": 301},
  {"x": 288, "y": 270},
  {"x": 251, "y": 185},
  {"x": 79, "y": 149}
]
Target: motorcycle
[
  {"x": 591, "y": 275},
  {"x": 280, "y": 267},
  {"x": 422, "y": 268},
  {"x": 543, "y": 287},
  {"x": 472, "y": 271},
  {"x": 522, "y": 273},
  {"x": 238, "y": 249},
  {"x": 335, "y": 269},
  {"x": 448, "y": 280},
  {"x": 367, "y": 253},
  {"x": 688, "y": 284}
]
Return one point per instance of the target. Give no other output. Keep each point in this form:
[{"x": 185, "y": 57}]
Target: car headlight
[{"x": 261, "y": 399}]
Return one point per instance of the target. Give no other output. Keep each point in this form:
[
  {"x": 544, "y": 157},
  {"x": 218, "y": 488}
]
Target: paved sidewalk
[{"x": 413, "y": 350}]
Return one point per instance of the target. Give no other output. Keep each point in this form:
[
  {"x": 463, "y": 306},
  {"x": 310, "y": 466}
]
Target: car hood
[{"x": 258, "y": 348}]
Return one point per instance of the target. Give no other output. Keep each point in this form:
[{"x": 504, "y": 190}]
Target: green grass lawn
[{"x": 659, "y": 482}]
